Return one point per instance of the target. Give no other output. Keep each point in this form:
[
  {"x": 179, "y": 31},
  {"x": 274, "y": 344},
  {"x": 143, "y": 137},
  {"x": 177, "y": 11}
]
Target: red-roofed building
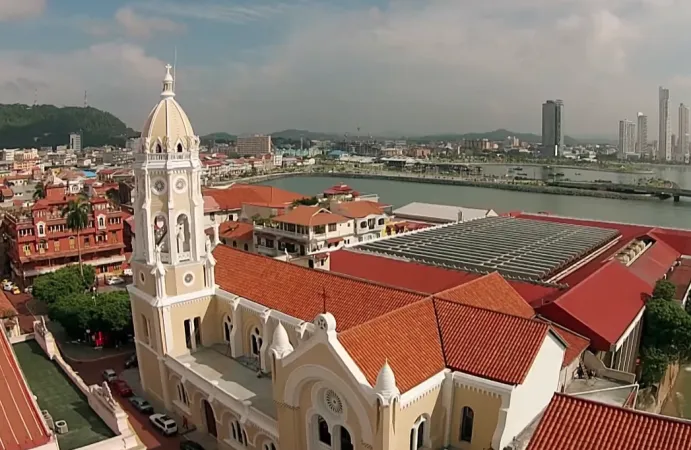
[
  {"x": 369, "y": 219},
  {"x": 230, "y": 200},
  {"x": 573, "y": 423},
  {"x": 40, "y": 242},
  {"x": 238, "y": 235}
]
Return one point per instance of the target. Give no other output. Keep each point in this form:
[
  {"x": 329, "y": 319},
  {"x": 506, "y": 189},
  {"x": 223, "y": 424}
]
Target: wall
[
  {"x": 99, "y": 397},
  {"x": 485, "y": 406},
  {"x": 531, "y": 397}
]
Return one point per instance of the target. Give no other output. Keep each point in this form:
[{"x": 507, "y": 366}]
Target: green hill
[
  {"x": 217, "y": 137},
  {"x": 48, "y": 125},
  {"x": 295, "y": 135},
  {"x": 496, "y": 135}
]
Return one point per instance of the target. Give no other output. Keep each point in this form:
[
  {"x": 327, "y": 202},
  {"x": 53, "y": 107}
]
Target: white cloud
[
  {"x": 220, "y": 12},
  {"x": 144, "y": 27},
  {"x": 20, "y": 9},
  {"x": 412, "y": 67}
]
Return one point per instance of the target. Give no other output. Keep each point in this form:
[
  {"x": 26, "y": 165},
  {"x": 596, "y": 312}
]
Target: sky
[{"x": 405, "y": 67}]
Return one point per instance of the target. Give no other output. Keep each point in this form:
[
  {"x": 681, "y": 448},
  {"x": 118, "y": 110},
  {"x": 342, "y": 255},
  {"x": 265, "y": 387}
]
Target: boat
[
  {"x": 518, "y": 168},
  {"x": 578, "y": 173}
]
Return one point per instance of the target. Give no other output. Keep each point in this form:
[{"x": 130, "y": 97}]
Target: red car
[{"x": 121, "y": 388}]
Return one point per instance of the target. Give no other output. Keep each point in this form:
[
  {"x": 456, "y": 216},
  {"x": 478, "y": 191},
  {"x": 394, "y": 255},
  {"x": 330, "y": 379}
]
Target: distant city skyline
[{"x": 381, "y": 65}]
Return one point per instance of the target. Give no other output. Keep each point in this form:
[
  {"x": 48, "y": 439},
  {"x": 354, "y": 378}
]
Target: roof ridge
[
  {"x": 556, "y": 325},
  {"x": 330, "y": 273},
  {"x": 384, "y": 316},
  {"x": 628, "y": 410}
]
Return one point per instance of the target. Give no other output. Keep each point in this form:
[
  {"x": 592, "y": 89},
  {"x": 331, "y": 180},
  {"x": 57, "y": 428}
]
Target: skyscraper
[
  {"x": 553, "y": 127},
  {"x": 682, "y": 147},
  {"x": 627, "y": 138},
  {"x": 642, "y": 137},
  {"x": 664, "y": 135}
]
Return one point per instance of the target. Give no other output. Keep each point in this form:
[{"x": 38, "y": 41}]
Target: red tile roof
[
  {"x": 299, "y": 291},
  {"x": 235, "y": 196},
  {"x": 572, "y": 423},
  {"x": 655, "y": 262},
  {"x": 680, "y": 240},
  {"x": 310, "y": 216},
  {"x": 357, "y": 209},
  {"x": 681, "y": 278},
  {"x": 210, "y": 204},
  {"x": 488, "y": 344},
  {"x": 236, "y": 230},
  {"x": 602, "y": 306},
  {"x": 408, "y": 338},
  {"x": 21, "y": 427},
  {"x": 491, "y": 291}
]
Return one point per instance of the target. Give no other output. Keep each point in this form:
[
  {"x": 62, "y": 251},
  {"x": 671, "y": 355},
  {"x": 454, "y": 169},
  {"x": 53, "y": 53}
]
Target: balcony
[
  {"x": 276, "y": 232},
  {"x": 230, "y": 382},
  {"x": 149, "y": 157}
]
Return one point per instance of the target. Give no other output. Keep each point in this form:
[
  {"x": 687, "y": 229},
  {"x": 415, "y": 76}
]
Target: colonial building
[
  {"x": 267, "y": 355},
  {"x": 40, "y": 241}
]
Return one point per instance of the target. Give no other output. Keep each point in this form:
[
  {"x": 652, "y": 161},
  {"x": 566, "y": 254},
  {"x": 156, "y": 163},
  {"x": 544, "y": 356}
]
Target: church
[{"x": 266, "y": 355}]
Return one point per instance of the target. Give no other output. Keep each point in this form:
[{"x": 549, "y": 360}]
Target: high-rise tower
[
  {"x": 553, "y": 127},
  {"x": 682, "y": 147},
  {"x": 664, "y": 135},
  {"x": 627, "y": 138},
  {"x": 642, "y": 135}
]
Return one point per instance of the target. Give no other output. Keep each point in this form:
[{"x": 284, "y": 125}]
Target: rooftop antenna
[
  {"x": 86, "y": 102},
  {"x": 175, "y": 63}
]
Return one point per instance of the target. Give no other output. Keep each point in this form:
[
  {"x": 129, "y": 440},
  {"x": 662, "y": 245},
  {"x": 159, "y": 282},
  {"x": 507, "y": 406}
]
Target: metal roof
[{"x": 516, "y": 248}]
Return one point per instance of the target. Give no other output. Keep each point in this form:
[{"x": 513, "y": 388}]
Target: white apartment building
[
  {"x": 627, "y": 138},
  {"x": 369, "y": 219},
  {"x": 76, "y": 142},
  {"x": 254, "y": 145},
  {"x": 642, "y": 137},
  {"x": 682, "y": 147},
  {"x": 303, "y": 231},
  {"x": 664, "y": 137}
]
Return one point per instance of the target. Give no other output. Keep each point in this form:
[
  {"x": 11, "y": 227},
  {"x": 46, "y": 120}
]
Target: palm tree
[
  {"x": 39, "y": 192},
  {"x": 76, "y": 215}
]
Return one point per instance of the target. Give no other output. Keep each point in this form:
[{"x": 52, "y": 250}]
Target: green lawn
[{"x": 61, "y": 398}]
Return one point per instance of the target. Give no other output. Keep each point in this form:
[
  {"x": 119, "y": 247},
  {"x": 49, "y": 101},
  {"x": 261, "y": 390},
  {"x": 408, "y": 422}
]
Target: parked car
[
  {"x": 121, "y": 388},
  {"x": 29, "y": 290},
  {"x": 109, "y": 375},
  {"x": 114, "y": 280},
  {"x": 16, "y": 290},
  {"x": 190, "y": 445},
  {"x": 8, "y": 286},
  {"x": 131, "y": 362},
  {"x": 142, "y": 405},
  {"x": 164, "y": 424}
]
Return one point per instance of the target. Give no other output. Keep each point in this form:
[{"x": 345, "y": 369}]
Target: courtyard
[{"x": 56, "y": 393}]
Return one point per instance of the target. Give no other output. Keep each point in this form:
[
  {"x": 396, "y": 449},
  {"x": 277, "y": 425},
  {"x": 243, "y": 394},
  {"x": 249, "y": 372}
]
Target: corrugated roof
[
  {"x": 439, "y": 213},
  {"x": 572, "y": 423},
  {"x": 602, "y": 306}
]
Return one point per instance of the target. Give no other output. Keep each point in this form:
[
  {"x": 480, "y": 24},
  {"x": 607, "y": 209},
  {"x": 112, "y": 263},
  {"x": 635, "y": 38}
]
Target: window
[
  {"x": 71, "y": 242},
  {"x": 182, "y": 395},
  {"x": 188, "y": 333},
  {"x": 246, "y": 247},
  {"x": 101, "y": 222},
  {"x": 256, "y": 342},
  {"x": 235, "y": 244},
  {"x": 227, "y": 328},
  {"x": 332, "y": 227},
  {"x": 417, "y": 433},
  {"x": 380, "y": 221},
  {"x": 41, "y": 229},
  {"x": 86, "y": 240},
  {"x": 270, "y": 243},
  {"x": 323, "y": 431},
  {"x": 27, "y": 249},
  {"x": 238, "y": 433},
  {"x": 56, "y": 246},
  {"x": 269, "y": 446},
  {"x": 145, "y": 328},
  {"x": 198, "y": 331},
  {"x": 467, "y": 418},
  {"x": 363, "y": 224},
  {"x": 158, "y": 148},
  {"x": 346, "y": 442},
  {"x": 179, "y": 148}
]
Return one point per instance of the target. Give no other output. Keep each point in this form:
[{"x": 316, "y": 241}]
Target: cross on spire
[{"x": 324, "y": 298}]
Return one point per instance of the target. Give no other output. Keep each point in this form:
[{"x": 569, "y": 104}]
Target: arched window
[
  {"x": 182, "y": 394},
  {"x": 269, "y": 446},
  {"x": 227, "y": 328},
  {"x": 418, "y": 434},
  {"x": 41, "y": 229},
  {"x": 467, "y": 418},
  {"x": 101, "y": 222},
  {"x": 179, "y": 148},
  {"x": 182, "y": 235},
  {"x": 256, "y": 341},
  {"x": 238, "y": 433},
  {"x": 346, "y": 441},
  {"x": 159, "y": 149},
  {"x": 323, "y": 433}
]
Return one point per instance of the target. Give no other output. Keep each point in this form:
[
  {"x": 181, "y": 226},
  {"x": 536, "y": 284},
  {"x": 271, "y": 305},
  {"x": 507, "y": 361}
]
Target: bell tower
[{"x": 172, "y": 254}]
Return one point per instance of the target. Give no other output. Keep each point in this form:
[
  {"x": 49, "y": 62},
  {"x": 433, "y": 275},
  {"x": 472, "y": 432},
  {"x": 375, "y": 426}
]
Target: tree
[
  {"x": 76, "y": 215},
  {"x": 664, "y": 290},
  {"x": 309, "y": 201},
  {"x": 63, "y": 282},
  {"x": 75, "y": 312},
  {"x": 39, "y": 191},
  {"x": 113, "y": 195}
]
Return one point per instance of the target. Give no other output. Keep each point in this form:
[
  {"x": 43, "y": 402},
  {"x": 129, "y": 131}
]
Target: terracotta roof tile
[
  {"x": 602, "y": 306},
  {"x": 488, "y": 344},
  {"x": 236, "y": 230},
  {"x": 408, "y": 338},
  {"x": 299, "y": 291},
  {"x": 357, "y": 209},
  {"x": 235, "y": 196},
  {"x": 572, "y": 423},
  {"x": 490, "y": 291},
  {"x": 310, "y": 216}
]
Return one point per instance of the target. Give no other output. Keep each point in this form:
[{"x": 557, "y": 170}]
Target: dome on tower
[{"x": 168, "y": 129}]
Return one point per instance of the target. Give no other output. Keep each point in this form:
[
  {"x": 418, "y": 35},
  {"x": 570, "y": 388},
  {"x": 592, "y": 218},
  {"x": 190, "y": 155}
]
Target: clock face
[
  {"x": 159, "y": 186},
  {"x": 180, "y": 184}
]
